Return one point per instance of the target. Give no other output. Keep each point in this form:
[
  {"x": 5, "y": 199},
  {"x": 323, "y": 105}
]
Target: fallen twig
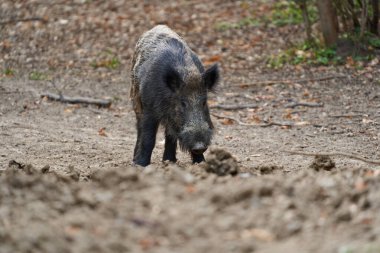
[
  {"x": 355, "y": 157},
  {"x": 350, "y": 115},
  {"x": 78, "y": 100},
  {"x": 233, "y": 107},
  {"x": 306, "y": 104},
  {"x": 232, "y": 118},
  {"x": 11, "y": 21},
  {"x": 273, "y": 123},
  {"x": 292, "y": 81}
]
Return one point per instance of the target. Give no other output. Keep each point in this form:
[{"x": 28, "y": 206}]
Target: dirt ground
[{"x": 67, "y": 183}]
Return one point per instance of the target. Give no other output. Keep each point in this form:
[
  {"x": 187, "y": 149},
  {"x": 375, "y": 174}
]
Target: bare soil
[{"x": 67, "y": 183}]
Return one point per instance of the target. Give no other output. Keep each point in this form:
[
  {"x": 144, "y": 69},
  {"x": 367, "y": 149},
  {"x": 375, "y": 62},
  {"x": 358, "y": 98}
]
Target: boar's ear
[
  {"x": 172, "y": 80},
  {"x": 211, "y": 77}
]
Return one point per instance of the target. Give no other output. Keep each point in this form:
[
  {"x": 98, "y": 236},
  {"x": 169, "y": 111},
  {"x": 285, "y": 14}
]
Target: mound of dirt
[
  {"x": 125, "y": 209},
  {"x": 221, "y": 162},
  {"x": 322, "y": 162}
]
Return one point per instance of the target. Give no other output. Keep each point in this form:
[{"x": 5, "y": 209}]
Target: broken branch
[
  {"x": 349, "y": 115},
  {"x": 355, "y": 157},
  {"x": 306, "y": 104},
  {"x": 77, "y": 100},
  {"x": 233, "y": 107},
  {"x": 11, "y": 21},
  {"x": 232, "y": 118},
  {"x": 273, "y": 123},
  {"x": 292, "y": 81}
]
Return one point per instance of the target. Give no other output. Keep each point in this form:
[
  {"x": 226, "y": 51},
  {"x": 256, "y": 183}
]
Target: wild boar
[{"x": 170, "y": 87}]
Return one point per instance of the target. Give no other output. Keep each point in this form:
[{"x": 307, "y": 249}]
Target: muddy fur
[{"x": 169, "y": 87}]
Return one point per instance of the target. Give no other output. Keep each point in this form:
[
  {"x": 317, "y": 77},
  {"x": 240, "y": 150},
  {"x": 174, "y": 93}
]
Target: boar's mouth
[
  {"x": 195, "y": 142},
  {"x": 198, "y": 149}
]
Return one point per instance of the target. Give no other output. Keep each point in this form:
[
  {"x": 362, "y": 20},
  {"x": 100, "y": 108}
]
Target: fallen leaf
[
  {"x": 258, "y": 233},
  {"x": 72, "y": 230},
  {"x": 102, "y": 132},
  {"x": 190, "y": 189},
  {"x": 243, "y": 86},
  {"x": 302, "y": 123},
  {"x": 254, "y": 119},
  {"x": 227, "y": 122},
  {"x": 212, "y": 102},
  {"x": 360, "y": 185},
  {"x": 228, "y": 137},
  {"x": 212, "y": 59},
  {"x": 374, "y": 62},
  {"x": 147, "y": 243},
  {"x": 288, "y": 114},
  {"x": 367, "y": 121},
  {"x": 350, "y": 61},
  {"x": 71, "y": 108}
]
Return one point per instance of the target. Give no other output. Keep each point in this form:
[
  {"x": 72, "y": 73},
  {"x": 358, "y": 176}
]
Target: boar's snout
[
  {"x": 199, "y": 148},
  {"x": 196, "y": 139}
]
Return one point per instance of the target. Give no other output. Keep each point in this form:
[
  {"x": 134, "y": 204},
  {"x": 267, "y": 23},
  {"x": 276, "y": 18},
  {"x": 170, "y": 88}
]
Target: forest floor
[{"x": 67, "y": 183}]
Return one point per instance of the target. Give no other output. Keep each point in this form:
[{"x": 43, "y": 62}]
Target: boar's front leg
[
  {"x": 147, "y": 127},
  {"x": 197, "y": 158},
  {"x": 170, "y": 148}
]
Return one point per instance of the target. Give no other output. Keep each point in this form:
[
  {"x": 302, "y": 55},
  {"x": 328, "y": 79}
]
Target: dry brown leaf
[
  {"x": 190, "y": 189},
  {"x": 259, "y": 234},
  {"x": 212, "y": 102},
  {"x": 102, "y": 132},
  {"x": 360, "y": 185},
  {"x": 367, "y": 121},
  {"x": 228, "y": 137},
  {"x": 256, "y": 39},
  {"x": 350, "y": 61},
  {"x": 288, "y": 114},
  {"x": 5, "y": 44},
  {"x": 72, "y": 230},
  {"x": 70, "y": 108},
  {"x": 147, "y": 243},
  {"x": 254, "y": 119},
  {"x": 243, "y": 86},
  {"x": 212, "y": 59},
  {"x": 227, "y": 122},
  {"x": 302, "y": 123}
]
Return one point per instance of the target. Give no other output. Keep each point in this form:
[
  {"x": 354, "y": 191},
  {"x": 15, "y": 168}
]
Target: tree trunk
[
  {"x": 306, "y": 20},
  {"x": 329, "y": 21},
  {"x": 355, "y": 19},
  {"x": 363, "y": 20},
  {"x": 375, "y": 17}
]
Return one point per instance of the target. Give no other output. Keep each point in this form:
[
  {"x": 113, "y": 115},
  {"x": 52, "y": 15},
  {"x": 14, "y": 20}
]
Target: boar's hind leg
[
  {"x": 170, "y": 148},
  {"x": 146, "y": 138},
  {"x": 197, "y": 158}
]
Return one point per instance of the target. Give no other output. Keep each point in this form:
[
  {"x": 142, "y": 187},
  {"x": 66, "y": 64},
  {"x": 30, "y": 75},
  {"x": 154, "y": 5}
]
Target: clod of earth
[
  {"x": 322, "y": 162},
  {"x": 221, "y": 162},
  {"x": 267, "y": 169}
]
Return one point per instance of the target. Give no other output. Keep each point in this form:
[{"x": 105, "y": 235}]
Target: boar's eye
[{"x": 204, "y": 103}]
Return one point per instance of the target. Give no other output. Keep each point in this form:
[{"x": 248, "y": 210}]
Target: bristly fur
[{"x": 169, "y": 87}]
